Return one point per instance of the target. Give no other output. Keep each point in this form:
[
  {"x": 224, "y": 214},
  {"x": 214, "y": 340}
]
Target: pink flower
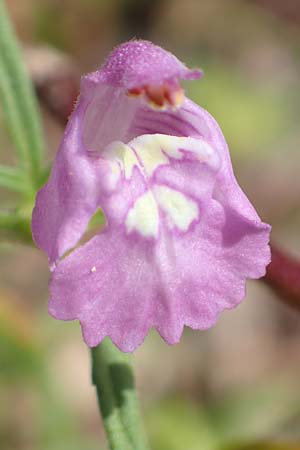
[{"x": 181, "y": 237}]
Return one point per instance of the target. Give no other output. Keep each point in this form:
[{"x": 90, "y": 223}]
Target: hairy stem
[{"x": 113, "y": 377}]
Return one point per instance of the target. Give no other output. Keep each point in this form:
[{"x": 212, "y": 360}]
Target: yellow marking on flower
[
  {"x": 149, "y": 149},
  {"x": 176, "y": 98},
  {"x": 148, "y": 152},
  {"x": 93, "y": 269},
  {"x": 119, "y": 152},
  {"x": 181, "y": 211},
  {"x": 143, "y": 216},
  {"x": 154, "y": 150}
]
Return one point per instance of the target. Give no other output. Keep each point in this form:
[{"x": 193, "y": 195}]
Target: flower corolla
[{"x": 180, "y": 238}]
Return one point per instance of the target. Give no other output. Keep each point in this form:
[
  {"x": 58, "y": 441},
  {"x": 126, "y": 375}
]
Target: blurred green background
[{"x": 236, "y": 386}]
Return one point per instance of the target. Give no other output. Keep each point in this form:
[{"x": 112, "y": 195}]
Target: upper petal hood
[{"x": 137, "y": 63}]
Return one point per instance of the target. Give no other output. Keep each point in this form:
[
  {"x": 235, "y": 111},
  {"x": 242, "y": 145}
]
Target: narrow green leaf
[
  {"x": 18, "y": 100},
  {"x": 15, "y": 226},
  {"x": 13, "y": 179}
]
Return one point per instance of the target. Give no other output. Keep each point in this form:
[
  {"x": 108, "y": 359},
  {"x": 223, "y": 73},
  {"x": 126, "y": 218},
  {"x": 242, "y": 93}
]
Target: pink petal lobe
[{"x": 66, "y": 203}]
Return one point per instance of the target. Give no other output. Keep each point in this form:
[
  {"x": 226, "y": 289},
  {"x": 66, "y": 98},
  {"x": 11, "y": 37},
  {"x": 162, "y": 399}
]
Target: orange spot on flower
[
  {"x": 160, "y": 96},
  {"x": 155, "y": 94},
  {"x": 135, "y": 92}
]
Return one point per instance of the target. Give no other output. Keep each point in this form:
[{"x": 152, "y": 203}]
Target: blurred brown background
[{"x": 236, "y": 385}]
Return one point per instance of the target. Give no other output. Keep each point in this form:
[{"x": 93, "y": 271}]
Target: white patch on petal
[
  {"x": 156, "y": 149},
  {"x": 148, "y": 152},
  {"x": 181, "y": 211},
  {"x": 204, "y": 152},
  {"x": 143, "y": 216},
  {"x": 122, "y": 155},
  {"x": 149, "y": 149}
]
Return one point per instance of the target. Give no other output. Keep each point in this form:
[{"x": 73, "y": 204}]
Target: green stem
[{"x": 113, "y": 377}]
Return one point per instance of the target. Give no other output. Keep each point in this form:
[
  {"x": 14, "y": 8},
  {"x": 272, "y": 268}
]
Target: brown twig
[
  {"x": 56, "y": 80},
  {"x": 283, "y": 276},
  {"x": 288, "y": 10}
]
